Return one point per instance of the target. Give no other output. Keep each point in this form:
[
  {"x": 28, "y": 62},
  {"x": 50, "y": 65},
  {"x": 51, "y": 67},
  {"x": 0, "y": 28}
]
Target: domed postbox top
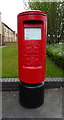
[{"x": 34, "y": 12}]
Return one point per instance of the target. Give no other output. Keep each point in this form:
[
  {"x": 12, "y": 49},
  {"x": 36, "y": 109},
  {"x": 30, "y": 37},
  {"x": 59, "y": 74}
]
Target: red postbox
[{"x": 32, "y": 28}]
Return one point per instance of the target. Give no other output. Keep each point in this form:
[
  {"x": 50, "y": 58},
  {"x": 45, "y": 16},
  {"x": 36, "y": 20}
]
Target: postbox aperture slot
[
  {"x": 32, "y": 30},
  {"x": 32, "y": 33}
]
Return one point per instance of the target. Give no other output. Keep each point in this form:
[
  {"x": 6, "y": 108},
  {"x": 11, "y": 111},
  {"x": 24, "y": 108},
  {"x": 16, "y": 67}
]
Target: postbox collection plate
[{"x": 32, "y": 33}]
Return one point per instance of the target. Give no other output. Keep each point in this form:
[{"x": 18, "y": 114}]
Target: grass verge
[{"x": 10, "y": 64}]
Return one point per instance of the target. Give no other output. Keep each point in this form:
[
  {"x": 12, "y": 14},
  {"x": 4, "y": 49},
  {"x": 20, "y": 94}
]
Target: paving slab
[
  {"x": 52, "y": 107},
  {"x": 0, "y": 105}
]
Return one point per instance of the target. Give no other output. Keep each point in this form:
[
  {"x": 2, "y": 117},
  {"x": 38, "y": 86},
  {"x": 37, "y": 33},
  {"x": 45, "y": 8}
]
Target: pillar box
[{"x": 32, "y": 30}]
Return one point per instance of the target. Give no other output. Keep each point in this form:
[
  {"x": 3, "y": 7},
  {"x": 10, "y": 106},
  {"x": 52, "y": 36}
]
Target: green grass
[
  {"x": 52, "y": 70},
  {"x": 10, "y": 64}
]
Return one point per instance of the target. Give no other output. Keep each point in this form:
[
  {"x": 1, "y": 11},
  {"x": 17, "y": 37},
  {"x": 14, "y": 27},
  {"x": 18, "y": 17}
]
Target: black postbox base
[{"x": 31, "y": 95}]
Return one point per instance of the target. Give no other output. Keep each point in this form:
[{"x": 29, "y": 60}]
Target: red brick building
[{"x": 8, "y": 35}]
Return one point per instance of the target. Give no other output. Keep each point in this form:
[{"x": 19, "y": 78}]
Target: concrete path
[
  {"x": 2, "y": 46},
  {"x": 0, "y": 105},
  {"x": 52, "y": 107}
]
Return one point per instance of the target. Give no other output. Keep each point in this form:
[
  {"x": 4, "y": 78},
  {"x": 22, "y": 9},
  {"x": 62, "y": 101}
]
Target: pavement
[
  {"x": 0, "y": 105},
  {"x": 3, "y": 46},
  {"x": 52, "y": 107}
]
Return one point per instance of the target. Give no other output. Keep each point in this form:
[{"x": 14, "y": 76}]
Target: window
[{"x": 32, "y": 33}]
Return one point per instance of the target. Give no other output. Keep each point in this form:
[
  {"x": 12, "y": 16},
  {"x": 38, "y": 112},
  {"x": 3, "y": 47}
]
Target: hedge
[{"x": 56, "y": 53}]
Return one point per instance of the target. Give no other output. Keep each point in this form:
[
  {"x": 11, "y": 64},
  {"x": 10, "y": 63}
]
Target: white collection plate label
[{"x": 32, "y": 33}]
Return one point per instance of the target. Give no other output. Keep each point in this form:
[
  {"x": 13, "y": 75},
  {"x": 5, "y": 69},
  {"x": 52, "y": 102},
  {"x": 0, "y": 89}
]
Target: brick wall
[{"x": 10, "y": 43}]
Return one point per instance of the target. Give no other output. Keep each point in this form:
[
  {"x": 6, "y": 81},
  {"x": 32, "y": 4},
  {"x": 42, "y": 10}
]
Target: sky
[{"x": 9, "y": 10}]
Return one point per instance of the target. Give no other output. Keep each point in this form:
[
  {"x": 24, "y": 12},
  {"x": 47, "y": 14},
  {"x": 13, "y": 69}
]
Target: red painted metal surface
[{"x": 32, "y": 53}]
